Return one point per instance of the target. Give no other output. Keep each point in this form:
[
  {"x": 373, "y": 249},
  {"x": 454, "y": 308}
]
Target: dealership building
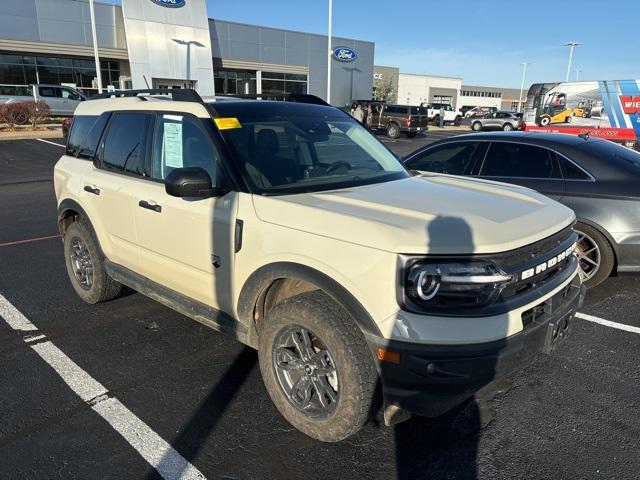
[
  {"x": 415, "y": 89},
  {"x": 172, "y": 43}
]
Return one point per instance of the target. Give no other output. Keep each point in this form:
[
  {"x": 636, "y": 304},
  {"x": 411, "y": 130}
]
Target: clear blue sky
[{"x": 482, "y": 41}]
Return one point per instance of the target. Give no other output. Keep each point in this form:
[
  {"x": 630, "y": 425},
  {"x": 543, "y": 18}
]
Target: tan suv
[{"x": 290, "y": 227}]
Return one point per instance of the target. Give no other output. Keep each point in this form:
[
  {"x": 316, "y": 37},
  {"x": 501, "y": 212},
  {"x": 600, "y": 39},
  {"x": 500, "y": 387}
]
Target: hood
[{"x": 435, "y": 214}]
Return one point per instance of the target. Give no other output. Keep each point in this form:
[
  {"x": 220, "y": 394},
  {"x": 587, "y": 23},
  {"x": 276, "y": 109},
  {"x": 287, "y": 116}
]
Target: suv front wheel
[
  {"x": 85, "y": 266},
  {"x": 317, "y": 367}
]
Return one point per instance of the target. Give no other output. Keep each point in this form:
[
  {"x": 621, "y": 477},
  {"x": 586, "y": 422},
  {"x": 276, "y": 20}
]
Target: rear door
[
  {"x": 52, "y": 96},
  {"x": 527, "y": 165},
  {"x": 113, "y": 182}
]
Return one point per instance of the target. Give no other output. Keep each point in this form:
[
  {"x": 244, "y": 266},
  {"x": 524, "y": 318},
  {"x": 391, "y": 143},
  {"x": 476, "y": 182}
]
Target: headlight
[{"x": 440, "y": 286}]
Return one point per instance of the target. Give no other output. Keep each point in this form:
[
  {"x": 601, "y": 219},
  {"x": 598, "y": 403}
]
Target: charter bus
[{"x": 606, "y": 109}]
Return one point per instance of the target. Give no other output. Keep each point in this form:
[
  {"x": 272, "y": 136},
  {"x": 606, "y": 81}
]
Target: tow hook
[{"x": 394, "y": 414}]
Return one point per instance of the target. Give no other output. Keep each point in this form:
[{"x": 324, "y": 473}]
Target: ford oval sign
[
  {"x": 344, "y": 54},
  {"x": 170, "y": 3}
]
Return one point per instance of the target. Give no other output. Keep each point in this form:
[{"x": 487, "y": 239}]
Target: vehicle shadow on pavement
[
  {"x": 445, "y": 446},
  {"x": 193, "y": 436}
]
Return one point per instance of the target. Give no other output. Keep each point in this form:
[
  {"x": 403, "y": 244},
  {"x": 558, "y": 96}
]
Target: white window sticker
[{"x": 172, "y": 141}]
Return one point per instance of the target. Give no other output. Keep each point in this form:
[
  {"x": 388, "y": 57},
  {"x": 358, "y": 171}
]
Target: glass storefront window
[{"x": 21, "y": 70}]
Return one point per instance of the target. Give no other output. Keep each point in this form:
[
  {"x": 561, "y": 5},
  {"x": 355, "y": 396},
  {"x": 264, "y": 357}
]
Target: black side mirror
[{"x": 190, "y": 182}]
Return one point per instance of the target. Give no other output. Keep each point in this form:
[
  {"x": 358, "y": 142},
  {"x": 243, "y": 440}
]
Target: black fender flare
[
  {"x": 69, "y": 204},
  {"x": 263, "y": 277}
]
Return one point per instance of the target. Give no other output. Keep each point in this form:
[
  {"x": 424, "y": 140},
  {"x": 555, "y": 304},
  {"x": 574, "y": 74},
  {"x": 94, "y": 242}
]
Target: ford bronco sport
[{"x": 291, "y": 227}]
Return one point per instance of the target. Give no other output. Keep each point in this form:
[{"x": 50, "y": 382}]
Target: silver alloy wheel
[
  {"x": 477, "y": 126},
  {"x": 81, "y": 263},
  {"x": 507, "y": 127},
  {"x": 305, "y": 371},
  {"x": 589, "y": 256}
]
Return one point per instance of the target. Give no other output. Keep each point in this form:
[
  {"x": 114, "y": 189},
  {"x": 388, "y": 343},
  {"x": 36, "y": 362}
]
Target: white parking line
[
  {"x": 14, "y": 317},
  {"x": 608, "y": 323},
  {"x": 51, "y": 143},
  {"x": 155, "y": 450}
]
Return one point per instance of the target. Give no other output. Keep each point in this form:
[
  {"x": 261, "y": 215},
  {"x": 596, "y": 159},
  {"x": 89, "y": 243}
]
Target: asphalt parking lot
[{"x": 177, "y": 400}]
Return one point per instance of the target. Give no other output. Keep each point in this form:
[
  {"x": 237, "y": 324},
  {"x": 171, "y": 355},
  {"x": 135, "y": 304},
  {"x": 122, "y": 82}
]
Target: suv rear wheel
[
  {"x": 393, "y": 130},
  {"x": 85, "y": 266},
  {"x": 317, "y": 367},
  {"x": 458, "y": 121},
  {"x": 507, "y": 127},
  {"x": 476, "y": 126}
]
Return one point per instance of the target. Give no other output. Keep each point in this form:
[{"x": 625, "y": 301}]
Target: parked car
[
  {"x": 62, "y": 101},
  {"x": 596, "y": 178},
  {"x": 66, "y": 126},
  {"x": 396, "y": 119},
  {"x": 506, "y": 121},
  {"x": 451, "y": 116},
  {"x": 479, "y": 112},
  {"x": 289, "y": 226}
]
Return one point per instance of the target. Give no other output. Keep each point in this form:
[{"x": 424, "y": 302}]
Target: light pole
[
  {"x": 188, "y": 43},
  {"x": 95, "y": 46},
  {"x": 524, "y": 73},
  {"x": 578, "y": 72},
  {"x": 329, "y": 53},
  {"x": 571, "y": 46}
]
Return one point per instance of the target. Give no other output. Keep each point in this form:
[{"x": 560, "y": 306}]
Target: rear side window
[
  {"x": 85, "y": 134},
  {"x": 124, "y": 145},
  {"x": 571, "y": 171},
  {"x": 49, "y": 92},
  {"x": 418, "y": 111},
  {"x": 516, "y": 160},
  {"x": 454, "y": 159}
]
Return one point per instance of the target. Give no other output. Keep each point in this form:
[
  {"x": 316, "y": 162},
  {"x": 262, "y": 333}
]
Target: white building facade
[{"x": 414, "y": 89}]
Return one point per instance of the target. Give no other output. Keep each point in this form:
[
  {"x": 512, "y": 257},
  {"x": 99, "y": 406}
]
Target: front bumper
[{"x": 432, "y": 379}]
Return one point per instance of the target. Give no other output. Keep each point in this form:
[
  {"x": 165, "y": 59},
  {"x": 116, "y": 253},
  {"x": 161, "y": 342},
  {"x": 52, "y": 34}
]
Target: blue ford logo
[
  {"x": 344, "y": 54},
  {"x": 170, "y": 3}
]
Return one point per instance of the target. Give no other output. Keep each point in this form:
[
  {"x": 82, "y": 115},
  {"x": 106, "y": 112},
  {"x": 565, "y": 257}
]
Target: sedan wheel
[
  {"x": 596, "y": 257},
  {"x": 588, "y": 256}
]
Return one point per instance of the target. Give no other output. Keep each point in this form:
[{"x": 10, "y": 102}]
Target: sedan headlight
[{"x": 447, "y": 285}]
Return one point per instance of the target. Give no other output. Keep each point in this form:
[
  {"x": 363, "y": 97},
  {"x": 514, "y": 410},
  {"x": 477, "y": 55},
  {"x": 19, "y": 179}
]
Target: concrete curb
[{"x": 31, "y": 134}]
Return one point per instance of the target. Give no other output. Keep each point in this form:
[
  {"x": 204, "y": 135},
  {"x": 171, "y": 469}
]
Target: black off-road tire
[
  {"x": 354, "y": 363},
  {"x": 393, "y": 130},
  {"x": 102, "y": 287},
  {"x": 458, "y": 121},
  {"x": 607, "y": 255}
]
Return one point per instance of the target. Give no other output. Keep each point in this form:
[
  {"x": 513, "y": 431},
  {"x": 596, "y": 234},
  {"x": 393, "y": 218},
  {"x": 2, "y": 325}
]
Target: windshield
[{"x": 299, "y": 153}]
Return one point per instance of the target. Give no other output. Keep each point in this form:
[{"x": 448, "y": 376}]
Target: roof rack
[
  {"x": 286, "y": 97},
  {"x": 177, "y": 94}
]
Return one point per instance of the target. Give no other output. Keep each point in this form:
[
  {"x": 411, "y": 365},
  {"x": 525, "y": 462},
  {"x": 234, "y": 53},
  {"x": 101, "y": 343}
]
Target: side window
[
  {"x": 49, "y": 92},
  {"x": 502, "y": 115},
  {"x": 515, "y": 160},
  {"x": 85, "y": 134},
  {"x": 124, "y": 144},
  {"x": 571, "y": 171},
  {"x": 69, "y": 94},
  {"x": 181, "y": 142},
  {"x": 454, "y": 159}
]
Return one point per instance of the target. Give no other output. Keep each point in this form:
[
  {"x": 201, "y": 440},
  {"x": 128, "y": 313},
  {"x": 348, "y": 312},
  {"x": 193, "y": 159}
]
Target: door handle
[
  {"x": 90, "y": 189},
  {"x": 150, "y": 206}
]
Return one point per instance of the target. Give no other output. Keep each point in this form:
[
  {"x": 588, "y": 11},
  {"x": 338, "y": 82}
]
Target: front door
[{"x": 186, "y": 244}]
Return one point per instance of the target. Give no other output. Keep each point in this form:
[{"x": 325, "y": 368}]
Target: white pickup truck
[
  {"x": 62, "y": 101},
  {"x": 451, "y": 116}
]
